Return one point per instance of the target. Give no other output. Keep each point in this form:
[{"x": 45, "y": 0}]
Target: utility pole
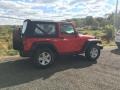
[{"x": 115, "y": 16}]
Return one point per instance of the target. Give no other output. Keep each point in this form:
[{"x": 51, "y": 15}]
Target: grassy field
[
  {"x": 99, "y": 34},
  {"x": 6, "y": 41}
]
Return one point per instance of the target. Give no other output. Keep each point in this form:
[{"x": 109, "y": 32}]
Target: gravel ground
[{"x": 68, "y": 73}]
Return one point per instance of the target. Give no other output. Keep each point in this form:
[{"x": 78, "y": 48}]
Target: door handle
[{"x": 61, "y": 37}]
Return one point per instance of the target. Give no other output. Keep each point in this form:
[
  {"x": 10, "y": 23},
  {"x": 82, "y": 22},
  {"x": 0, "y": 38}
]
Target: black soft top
[{"x": 47, "y": 21}]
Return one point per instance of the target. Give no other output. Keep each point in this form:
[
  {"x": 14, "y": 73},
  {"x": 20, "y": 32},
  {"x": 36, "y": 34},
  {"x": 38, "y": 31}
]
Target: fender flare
[
  {"x": 93, "y": 42},
  {"x": 37, "y": 45}
]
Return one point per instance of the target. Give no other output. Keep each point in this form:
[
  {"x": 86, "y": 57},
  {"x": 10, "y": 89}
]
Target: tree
[
  {"x": 89, "y": 20},
  {"x": 110, "y": 19},
  {"x": 101, "y": 21}
]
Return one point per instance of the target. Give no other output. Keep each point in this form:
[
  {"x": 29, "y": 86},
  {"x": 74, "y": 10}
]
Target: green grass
[
  {"x": 10, "y": 52},
  {"x": 97, "y": 33},
  {"x": 6, "y": 41}
]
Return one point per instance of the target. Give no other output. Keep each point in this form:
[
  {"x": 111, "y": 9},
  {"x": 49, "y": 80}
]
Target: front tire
[
  {"x": 118, "y": 47},
  {"x": 92, "y": 52},
  {"x": 44, "y": 58}
]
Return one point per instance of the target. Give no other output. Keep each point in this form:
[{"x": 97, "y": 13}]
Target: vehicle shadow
[
  {"x": 115, "y": 51},
  {"x": 22, "y": 71}
]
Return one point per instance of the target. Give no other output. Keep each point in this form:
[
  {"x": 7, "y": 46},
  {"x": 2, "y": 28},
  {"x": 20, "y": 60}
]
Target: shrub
[
  {"x": 109, "y": 31},
  {"x": 12, "y": 52}
]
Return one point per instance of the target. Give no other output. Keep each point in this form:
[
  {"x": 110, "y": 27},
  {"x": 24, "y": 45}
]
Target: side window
[
  {"x": 38, "y": 32},
  {"x": 67, "y": 29},
  {"x": 42, "y": 29}
]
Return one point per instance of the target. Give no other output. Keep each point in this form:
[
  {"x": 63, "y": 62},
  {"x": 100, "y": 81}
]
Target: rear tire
[
  {"x": 92, "y": 52},
  {"x": 44, "y": 58}
]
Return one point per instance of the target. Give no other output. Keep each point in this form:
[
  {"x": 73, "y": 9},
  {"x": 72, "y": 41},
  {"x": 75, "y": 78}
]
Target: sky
[{"x": 19, "y": 10}]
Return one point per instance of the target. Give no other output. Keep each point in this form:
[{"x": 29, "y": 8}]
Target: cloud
[{"x": 53, "y": 9}]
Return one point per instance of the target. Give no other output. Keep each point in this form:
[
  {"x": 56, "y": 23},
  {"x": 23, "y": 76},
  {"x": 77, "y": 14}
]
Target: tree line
[{"x": 97, "y": 22}]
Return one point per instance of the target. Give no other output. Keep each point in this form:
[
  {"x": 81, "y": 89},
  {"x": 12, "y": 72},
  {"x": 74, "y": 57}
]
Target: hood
[{"x": 87, "y": 36}]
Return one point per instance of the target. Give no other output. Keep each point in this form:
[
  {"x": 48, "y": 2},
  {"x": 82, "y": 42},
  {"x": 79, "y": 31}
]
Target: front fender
[{"x": 93, "y": 42}]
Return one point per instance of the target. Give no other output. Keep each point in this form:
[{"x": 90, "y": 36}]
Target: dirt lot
[{"x": 69, "y": 73}]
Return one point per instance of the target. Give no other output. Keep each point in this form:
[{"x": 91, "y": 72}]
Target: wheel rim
[
  {"x": 94, "y": 52},
  {"x": 44, "y": 58}
]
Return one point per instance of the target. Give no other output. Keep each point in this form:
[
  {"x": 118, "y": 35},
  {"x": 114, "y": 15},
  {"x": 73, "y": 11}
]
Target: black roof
[{"x": 47, "y": 21}]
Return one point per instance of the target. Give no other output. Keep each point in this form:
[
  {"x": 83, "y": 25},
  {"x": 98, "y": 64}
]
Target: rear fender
[{"x": 39, "y": 45}]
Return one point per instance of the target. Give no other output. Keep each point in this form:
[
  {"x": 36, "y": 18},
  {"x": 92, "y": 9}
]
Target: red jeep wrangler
[{"x": 43, "y": 40}]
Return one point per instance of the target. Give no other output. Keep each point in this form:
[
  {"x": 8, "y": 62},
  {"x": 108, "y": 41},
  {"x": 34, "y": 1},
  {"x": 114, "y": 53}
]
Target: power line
[
  {"x": 11, "y": 17},
  {"x": 56, "y": 16}
]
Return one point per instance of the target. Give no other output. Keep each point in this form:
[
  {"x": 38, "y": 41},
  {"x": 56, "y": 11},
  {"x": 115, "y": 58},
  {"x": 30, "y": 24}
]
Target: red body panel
[{"x": 63, "y": 43}]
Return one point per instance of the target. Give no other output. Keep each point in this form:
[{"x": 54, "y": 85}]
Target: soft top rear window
[{"x": 24, "y": 27}]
